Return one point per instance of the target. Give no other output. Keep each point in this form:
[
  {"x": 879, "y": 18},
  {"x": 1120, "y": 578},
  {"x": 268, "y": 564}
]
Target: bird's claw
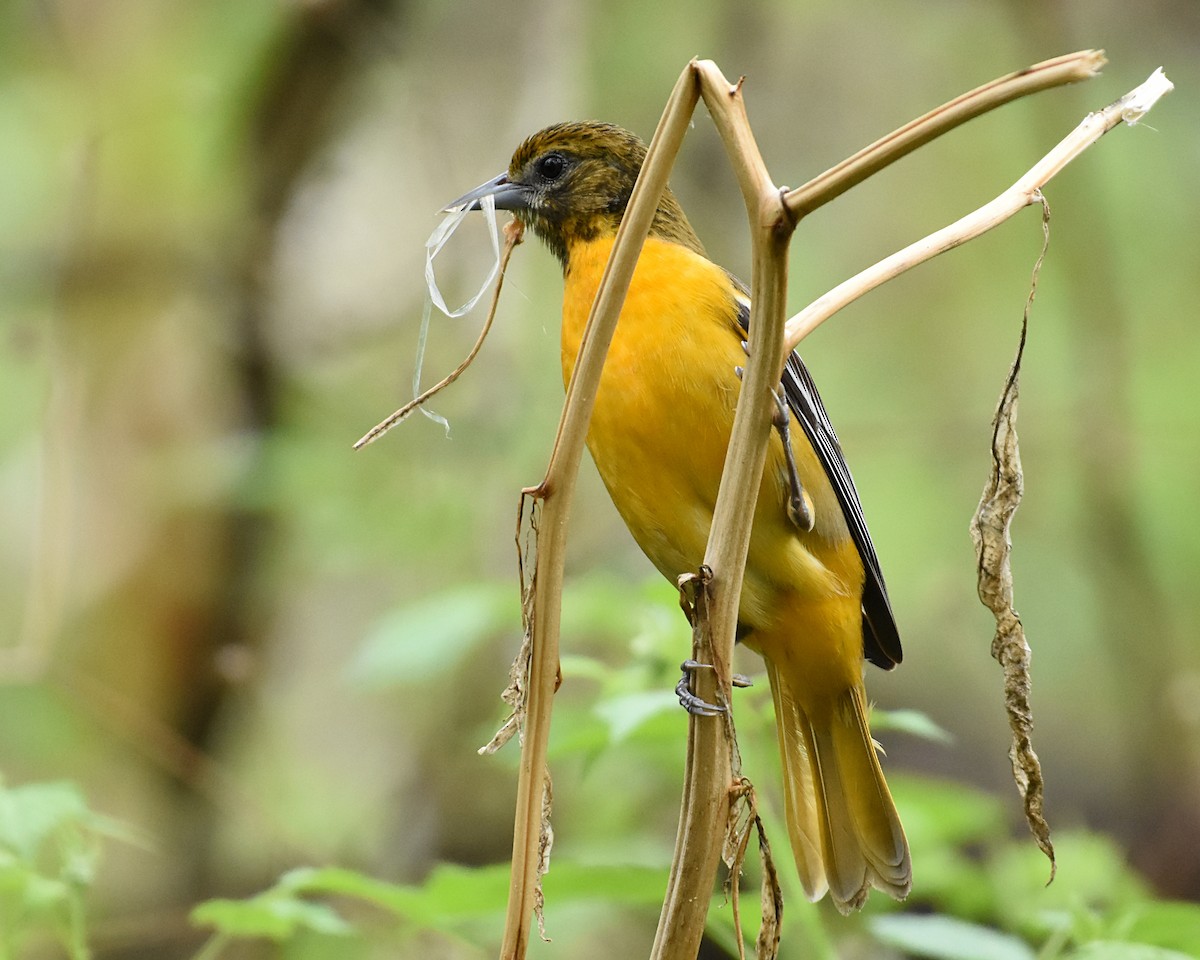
[{"x": 695, "y": 705}]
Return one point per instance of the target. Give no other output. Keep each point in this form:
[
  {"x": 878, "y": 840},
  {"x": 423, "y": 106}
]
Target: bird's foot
[
  {"x": 695, "y": 705},
  {"x": 799, "y": 505}
]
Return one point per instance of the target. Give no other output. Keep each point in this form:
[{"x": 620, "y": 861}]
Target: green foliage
[
  {"x": 989, "y": 895},
  {"x": 980, "y": 893},
  {"x": 1084, "y": 915},
  {"x": 946, "y": 938},
  {"x": 49, "y": 851},
  {"x": 1120, "y": 950},
  {"x": 432, "y": 636},
  {"x": 453, "y": 901}
]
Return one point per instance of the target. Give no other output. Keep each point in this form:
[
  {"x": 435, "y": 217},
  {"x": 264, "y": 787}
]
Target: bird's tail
[{"x": 845, "y": 832}]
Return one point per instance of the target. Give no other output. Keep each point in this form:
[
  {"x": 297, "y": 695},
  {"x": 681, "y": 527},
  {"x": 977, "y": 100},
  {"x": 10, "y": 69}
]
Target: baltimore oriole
[{"x": 813, "y": 602}]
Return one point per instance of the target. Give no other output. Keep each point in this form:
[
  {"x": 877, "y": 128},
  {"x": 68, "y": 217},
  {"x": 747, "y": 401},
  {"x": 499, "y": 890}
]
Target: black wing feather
[{"x": 881, "y": 639}]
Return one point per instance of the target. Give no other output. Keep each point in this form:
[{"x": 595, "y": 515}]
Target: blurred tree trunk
[
  {"x": 156, "y": 606},
  {"x": 322, "y": 50}
]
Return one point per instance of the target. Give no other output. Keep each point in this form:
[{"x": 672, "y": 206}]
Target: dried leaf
[
  {"x": 515, "y": 694},
  {"x": 733, "y": 851},
  {"x": 767, "y": 947},
  {"x": 517, "y": 691},
  {"x": 545, "y": 845},
  {"x": 743, "y": 814},
  {"x": 993, "y": 546}
]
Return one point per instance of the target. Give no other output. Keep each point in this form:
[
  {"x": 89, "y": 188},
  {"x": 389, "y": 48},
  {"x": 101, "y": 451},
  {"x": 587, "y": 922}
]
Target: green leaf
[
  {"x": 946, "y": 938},
  {"x": 912, "y": 722},
  {"x": 31, "y": 892},
  {"x": 33, "y": 813},
  {"x": 626, "y": 713},
  {"x": 434, "y": 635},
  {"x": 938, "y": 813},
  {"x": 340, "y": 882},
  {"x": 268, "y": 915},
  {"x": 1092, "y": 872},
  {"x": 451, "y": 894},
  {"x": 1117, "y": 950},
  {"x": 452, "y": 891},
  {"x": 1172, "y": 925},
  {"x": 573, "y": 882}
]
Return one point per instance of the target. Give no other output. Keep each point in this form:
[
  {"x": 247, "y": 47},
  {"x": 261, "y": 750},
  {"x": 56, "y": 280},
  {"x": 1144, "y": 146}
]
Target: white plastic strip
[
  {"x": 433, "y": 246},
  {"x": 438, "y": 239}
]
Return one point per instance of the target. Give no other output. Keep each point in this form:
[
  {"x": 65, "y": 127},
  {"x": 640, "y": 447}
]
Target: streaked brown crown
[{"x": 577, "y": 178}]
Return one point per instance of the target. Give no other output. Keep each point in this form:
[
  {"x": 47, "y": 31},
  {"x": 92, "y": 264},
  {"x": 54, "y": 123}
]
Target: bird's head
[{"x": 571, "y": 183}]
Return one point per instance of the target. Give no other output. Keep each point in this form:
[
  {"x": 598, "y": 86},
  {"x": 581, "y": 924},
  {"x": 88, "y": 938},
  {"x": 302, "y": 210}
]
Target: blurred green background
[{"x": 262, "y": 650}]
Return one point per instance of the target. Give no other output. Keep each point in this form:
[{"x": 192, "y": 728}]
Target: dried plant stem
[
  {"x": 835, "y": 181},
  {"x": 1021, "y": 194},
  {"x": 705, "y": 803},
  {"x": 706, "y": 799},
  {"x": 555, "y": 491}
]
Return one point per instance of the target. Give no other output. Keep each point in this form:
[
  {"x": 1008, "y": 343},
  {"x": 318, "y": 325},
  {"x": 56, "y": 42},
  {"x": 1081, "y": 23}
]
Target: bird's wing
[{"x": 881, "y": 639}]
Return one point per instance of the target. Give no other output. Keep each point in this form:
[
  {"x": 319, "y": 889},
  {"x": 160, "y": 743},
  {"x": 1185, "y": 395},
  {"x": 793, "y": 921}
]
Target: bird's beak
[{"x": 508, "y": 195}]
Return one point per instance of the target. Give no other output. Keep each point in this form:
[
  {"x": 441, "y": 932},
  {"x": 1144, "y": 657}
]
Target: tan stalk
[
  {"x": 1021, "y": 194},
  {"x": 708, "y": 781},
  {"x": 555, "y": 492},
  {"x": 835, "y": 181}
]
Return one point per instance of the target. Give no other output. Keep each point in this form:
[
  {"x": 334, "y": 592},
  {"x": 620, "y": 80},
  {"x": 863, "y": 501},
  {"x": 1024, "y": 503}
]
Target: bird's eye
[{"x": 551, "y": 166}]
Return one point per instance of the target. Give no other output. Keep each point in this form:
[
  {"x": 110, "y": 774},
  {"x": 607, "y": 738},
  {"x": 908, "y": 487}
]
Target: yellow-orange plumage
[{"x": 661, "y": 423}]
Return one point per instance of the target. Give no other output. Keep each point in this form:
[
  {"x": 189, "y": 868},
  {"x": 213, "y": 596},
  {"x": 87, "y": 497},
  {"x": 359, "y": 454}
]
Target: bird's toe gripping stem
[{"x": 693, "y": 704}]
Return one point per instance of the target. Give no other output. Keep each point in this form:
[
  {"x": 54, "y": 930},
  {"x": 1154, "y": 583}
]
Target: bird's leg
[
  {"x": 688, "y": 700},
  {"x": 694, "y": 704},
  {"x": 799, "y": 505}
]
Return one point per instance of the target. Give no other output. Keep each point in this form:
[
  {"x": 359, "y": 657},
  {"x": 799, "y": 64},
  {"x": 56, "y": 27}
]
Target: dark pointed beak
[{"x": 508, "y": 195}]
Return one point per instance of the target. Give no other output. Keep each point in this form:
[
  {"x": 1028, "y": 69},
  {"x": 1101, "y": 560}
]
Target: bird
[{"x": 813, "y": 603}]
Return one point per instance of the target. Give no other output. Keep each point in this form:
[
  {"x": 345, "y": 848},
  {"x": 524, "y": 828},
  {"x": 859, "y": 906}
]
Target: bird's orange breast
[{"x": 661, "y": 425}]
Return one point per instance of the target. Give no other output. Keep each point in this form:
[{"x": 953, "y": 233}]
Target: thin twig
[
  {"x": 1130, "y": 108},
  {"x": 835, "y": 181}
]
